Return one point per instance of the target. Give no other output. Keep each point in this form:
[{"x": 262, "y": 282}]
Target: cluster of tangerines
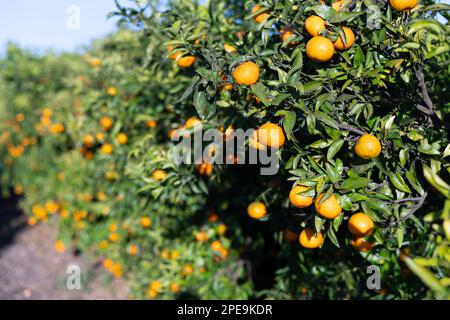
[
  {"x": 46, "y": 123},
  {"x": 114, "y": 267},
  {"x": 15, "y": 150},
  {"x": 114, "y": 235},
  {"x": 41, "y": 212},
  {"x": 59, "y": 246},
  {"x": 319, "y": 48},
  {"x": 90, "y": 142},
  {"x": 360, "y": 225},
  {"x": 206, "y": 168},
  {"x": 155, "y": 287},
  {"x": 219, "y": 250}
]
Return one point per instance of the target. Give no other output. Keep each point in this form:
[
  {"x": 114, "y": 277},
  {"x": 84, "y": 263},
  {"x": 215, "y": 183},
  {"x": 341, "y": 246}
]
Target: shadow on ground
[
  {"x": 32, "y": 269},
  {"x": 12, "y": 221}
]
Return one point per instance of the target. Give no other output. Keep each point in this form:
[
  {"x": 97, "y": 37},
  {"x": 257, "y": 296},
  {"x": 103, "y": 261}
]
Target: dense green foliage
[{"x": 81, "y": 138}]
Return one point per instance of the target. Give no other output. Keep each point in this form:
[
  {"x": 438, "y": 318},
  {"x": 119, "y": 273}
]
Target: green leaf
[
  {"x": 436, "y": 181},
  {"x": 398, "y": 182},
  {"x": 399, "y": 233},
  {"x": 334, "y": 149},
  {"x": 359, "y": 58},
  {"x": 354, "y": 183},
  {"x": 437, "y": 51},
  {"x": 309, "y": 86},
  {"x": 278, "y": 99},
  {"x": 426, "y": 276},
  {"x": 412, "y": 179},
  {"x": 318, "y": 223},
  {"x": 204, "y": 109},
  {"x": 403, "y": 156},
  {"x": 289, "y": 123},
  {"x": 190, "y": 89},
  {"x": 323, "y": 11},
  {"x": 332, "y": 236},
  {"x": 260, "y": 91},
  {"x": 332, "y": 173},
  {"x": 379, "y": 206},
  {"x": 344, "y": 16},
  {"x": 298, "y": 61},
  {"x": 429, "y": 25},
  {"x": 322, "y": 117},
  {"x": 346, "y": 84},
  {"x": 315, "y": 165}
]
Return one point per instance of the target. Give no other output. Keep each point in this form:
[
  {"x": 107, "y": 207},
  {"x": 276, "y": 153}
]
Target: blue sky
[{"x": 43, "y": 24}]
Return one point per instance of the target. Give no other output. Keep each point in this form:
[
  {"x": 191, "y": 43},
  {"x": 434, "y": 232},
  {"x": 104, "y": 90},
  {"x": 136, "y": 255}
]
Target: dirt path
[{"x": 30, "y": 268}]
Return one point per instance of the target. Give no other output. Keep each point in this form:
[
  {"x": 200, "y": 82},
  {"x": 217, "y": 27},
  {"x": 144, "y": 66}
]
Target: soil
[{"x": 30, "y": 267}]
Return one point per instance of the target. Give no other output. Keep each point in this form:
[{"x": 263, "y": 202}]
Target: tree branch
[
  {"x": 347, "y": 127},
  {"x": 423, "y": 89},
  {"x": 416, "y": 207},
  {"x": 407, "y": 199}
]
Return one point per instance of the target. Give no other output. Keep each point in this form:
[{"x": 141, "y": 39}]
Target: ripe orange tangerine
[
  {"x": 100, "y": 136},
  {"x": 314, "y": 25},
  {"x": 187, "y": 270},
  {"x": 229, "y": 48},
  {"x": 319, "y": 49},
  {"x": 111, "y": 91},
  {"x": 361, "y": 244},
  {"x": 106, "y": 122},
  {"x": 246, "y": 73},
  {"x": 107, "y": 148},
  {"x": 213, "y": 216},
  {"x": 186, "y": 61},
  {"x": 254, "y": 143},
  {"x": 133, "y": 250},
  {"x": 224, "y": 253},
  {"x": 271, "y": 135},
  {"x": 113, "y": 237},
  {"x": 403, "y": 5},
  {"x": 330, "y": 208},
  {"x": 175, "y": 55},
  {"x": 59, "y": 246},
  {"x": 285, "y": 34},
  {"x": 32, "y": 221},
  {"x": 336, "y": 5},
  {"x": 310, "y": 239},
  {"x": 88, "y": 140},
  {"x": 146, "y": 222},
  {"x": 257, "y": 210},
  {"x": 349, "y": 37},
  {"x": 159, "y": 175},
  {"x": 216, "y": 246},
  {"x": 228, "y": 85},
  {"x": 201, "y": 236},
  {"x": 122, "y": 138},
  {"x": 260, "y": 17},
  {"x": 205, "y": 169},
  {"x": 175, "y": 287},
  {"x": 360, "y": 224},
  {"x": 96, "y": 62},
  {"x": 192, "y": 122},
  {"x": 298, "y": 200},
  {"x": 368, "y": 147},
  {"x": 151, "y": 123}
]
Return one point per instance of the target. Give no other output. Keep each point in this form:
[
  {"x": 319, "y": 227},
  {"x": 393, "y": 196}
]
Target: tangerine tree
[{"x": 350, "y": 96}]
